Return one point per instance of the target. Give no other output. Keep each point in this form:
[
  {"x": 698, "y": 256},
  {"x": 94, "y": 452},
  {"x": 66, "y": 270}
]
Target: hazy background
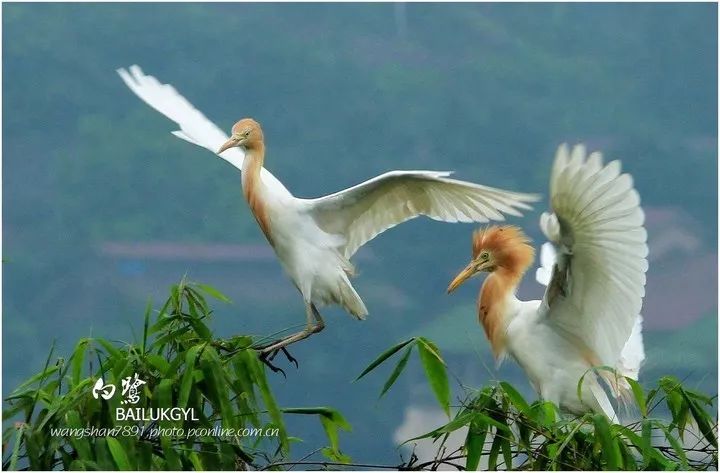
[{"x": 104, "y": 209}]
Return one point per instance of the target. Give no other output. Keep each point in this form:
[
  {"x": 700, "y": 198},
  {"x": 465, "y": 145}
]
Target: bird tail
[
  {"x": 351, "y": 300},
  {"x": 633, "y": 353},
  {"x": 631, "y": 358}
]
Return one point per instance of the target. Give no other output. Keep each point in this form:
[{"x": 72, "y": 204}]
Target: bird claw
[
  {"x": 268, "y": 357},
  {"x": 267, "y": 362},
  {"x": 290, "y": 358}
]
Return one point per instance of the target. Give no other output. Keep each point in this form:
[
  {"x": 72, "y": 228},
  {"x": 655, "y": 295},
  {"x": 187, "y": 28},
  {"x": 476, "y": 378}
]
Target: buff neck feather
[
  {"x": 512, "y": 254},
  {"x": 252, "y": 186}
]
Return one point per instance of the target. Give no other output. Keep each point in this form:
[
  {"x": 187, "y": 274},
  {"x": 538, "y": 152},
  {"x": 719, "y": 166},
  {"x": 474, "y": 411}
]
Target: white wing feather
[
  {"x": 598, "y": 281},
  {"x": 361, "y": 212},
  {"x": 633, "y": 354},
  {"x": 367, "y": 209},
  {"x": 194, "y": 126},
  {"x": 547, "y": 262}
]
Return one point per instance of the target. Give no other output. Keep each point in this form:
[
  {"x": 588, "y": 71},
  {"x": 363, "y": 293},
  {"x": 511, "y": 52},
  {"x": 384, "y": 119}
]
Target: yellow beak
[
  {"x": 470, "y": 270},
  {"x": 464, "y": 275},
  {"x": 231, "y": 143}
]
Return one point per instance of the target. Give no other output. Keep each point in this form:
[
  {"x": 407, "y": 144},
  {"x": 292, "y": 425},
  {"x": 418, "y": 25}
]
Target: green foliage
[
  {"x": 222, "y": 381},
  {"x": 432, "y": 363},
  {"x": 505, "y": 431}
]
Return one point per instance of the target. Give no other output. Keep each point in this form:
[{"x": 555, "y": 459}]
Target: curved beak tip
[
  {"x": 227, "y": 145},
  {"x": 451, "y": 288},
  {"x": 464, "y": 275}
]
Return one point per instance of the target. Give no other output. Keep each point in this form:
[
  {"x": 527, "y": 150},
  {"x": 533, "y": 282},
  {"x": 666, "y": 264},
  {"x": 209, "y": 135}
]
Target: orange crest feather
[{"x": 508, "y": 245}]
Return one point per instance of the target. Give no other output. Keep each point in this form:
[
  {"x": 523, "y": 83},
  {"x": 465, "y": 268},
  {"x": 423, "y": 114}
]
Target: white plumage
[
  {"x": 594, "y": 269},
  {"x": 314, "y": 238}
]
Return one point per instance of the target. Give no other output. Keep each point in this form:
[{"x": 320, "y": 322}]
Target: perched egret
[
  {"x": 315, "y": 238},
  {"x": 594, "y": 269}
]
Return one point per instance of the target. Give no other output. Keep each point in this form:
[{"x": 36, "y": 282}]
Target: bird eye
[
  {"x": 484, "y": 255},
  {"x": 247, "y": 132}
]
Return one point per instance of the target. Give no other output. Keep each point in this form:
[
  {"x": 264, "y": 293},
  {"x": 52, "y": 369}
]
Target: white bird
[
  {"x": 315, "y": 238},
  {"x": 594, "y": 269}
]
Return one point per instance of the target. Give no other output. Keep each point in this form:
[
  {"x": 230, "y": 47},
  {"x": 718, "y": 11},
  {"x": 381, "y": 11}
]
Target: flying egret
[
  {"x": 315, "y": 238},
  {"x": 594, "y": 269}
]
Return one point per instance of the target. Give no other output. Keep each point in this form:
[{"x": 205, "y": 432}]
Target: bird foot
[
  {"x": 267, "y": 357},
  {"x": 287, "y": 354}
]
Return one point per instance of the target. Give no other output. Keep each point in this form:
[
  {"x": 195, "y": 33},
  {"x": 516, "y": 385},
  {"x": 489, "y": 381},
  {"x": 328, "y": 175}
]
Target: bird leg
[{"x": 315, "y": 324}]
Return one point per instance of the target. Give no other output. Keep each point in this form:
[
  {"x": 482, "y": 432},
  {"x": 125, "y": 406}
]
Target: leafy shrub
[
  {"x": 183, "y": 366},
  {"x": 224, "y": 382},
  {"x": 507, "y": 432}
]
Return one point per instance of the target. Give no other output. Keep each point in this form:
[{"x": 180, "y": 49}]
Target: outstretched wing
[
  {"x": 367, "y": 209},
  {"x": 194, "y": 126},
  {"x": 598, "y": 280},
  {"x": 633, "y": 353},
  {"x": 358, "y": 213}
]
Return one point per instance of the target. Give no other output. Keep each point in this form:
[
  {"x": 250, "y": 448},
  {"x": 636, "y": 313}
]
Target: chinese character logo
[
  {"x": 130, "y": 389},
  {"x": 106, "y": 391}
]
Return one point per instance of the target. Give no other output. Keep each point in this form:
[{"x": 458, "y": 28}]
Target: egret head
[
  {"x": 496, "y": 248},
  {"x": 246, "y": 134}
]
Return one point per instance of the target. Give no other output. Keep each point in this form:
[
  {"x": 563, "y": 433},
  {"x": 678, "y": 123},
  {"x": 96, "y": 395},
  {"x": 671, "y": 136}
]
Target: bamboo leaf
[
  {"x": 506, "y": 451},
  {"x": 187, "y": 378},
  {"x": 118, "y": 453},
  {"x": 679, "y": 450},
  {"x": 269, "y": 400},
  {"x": 327, "y": 413},
  {"x": 112, "y": 351},
  {"x": 559, "y": 448},
  {"x": 435, "y": 373},
  {"x": 702, "y": 418},
  {"x": 172, "y": 459},
  {"x": 396, "y": 372},
  {"x": 146, "y": 326},
  {"x": 494, "y": 452},
  {"x": 628, "y": 461},
  {"x": 195, "y": 460},
  {"x": 158, "y": 362},
  {"x": 646, "y": 443},
  {"x": 78, "y": 357},
  {"x": 20, "y": 430},
  {"x": 458, "y": 422},
  {"x": 215, "y": 381},
  {"x": 211, "y": 291},
  {"x": 639, "y": 395},
  {"x": 80, "y": 443},
  {"x": 515, "y": 397},
  {"x": 20, "y": 390},
  {"x": 384, "y": 356},
  {"x": 610, "y": 450},
  {"x": 201, "y": 329},
  {"x": 474, "y": 443},
  {"x": 164, "y": 393}
]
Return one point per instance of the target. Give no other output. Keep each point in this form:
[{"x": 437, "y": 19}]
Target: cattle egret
[
  {"x": 594, "y": 269},
  {"x": 315, "y": 238}
]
